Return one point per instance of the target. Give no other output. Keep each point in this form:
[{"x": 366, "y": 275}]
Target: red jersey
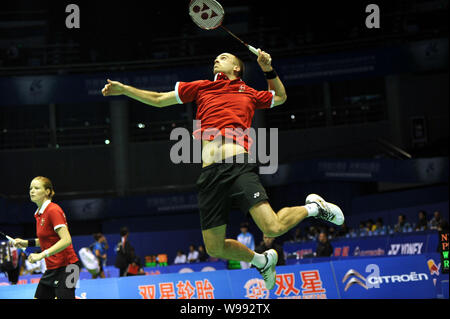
[
  {"x": 224, "y": 104},
  {"x": 48, "y": 219}
]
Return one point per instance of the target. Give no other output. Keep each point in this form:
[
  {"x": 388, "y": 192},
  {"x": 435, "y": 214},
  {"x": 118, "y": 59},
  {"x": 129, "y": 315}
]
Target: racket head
[{"x": 207, "y": 14}]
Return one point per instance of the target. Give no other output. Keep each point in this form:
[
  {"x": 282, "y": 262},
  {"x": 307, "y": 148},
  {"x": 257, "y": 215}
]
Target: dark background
[{"x": 402, "y": 109}]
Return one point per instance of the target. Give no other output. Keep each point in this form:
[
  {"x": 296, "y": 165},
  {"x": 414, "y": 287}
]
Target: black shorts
[
  {"x": 54, "y": 283},
  {"x": 223, "y": 186}
]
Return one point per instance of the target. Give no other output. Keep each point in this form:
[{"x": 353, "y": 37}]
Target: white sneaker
[
  {"x": 327, "y": 211},
  {"x": 268, "y": 271}
]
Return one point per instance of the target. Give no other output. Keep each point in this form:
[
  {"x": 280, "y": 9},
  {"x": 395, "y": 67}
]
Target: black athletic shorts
[
  {"x": 53, "y": 283},
  {"x": 223, "y": 186}
]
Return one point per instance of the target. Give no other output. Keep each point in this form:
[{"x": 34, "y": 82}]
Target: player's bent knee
[
  {"x": 273, "y": 230},
  {"x": 214, "y": 250}
]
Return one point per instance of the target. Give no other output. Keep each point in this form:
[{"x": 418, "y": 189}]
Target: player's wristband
[
  {"x": 271, "y": 74},
  {"x": 46, "y": 254},
  {"x": 31, "y": 242}
]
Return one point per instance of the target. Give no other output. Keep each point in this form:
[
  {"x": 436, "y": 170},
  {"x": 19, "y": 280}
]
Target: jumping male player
[{"x": 227, "y": 102}]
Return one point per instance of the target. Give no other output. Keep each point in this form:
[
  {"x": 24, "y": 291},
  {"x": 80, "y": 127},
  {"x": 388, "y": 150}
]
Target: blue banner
[
  {"x": 385, "y": 278},
  {"x": 185, "y": 268},
  {"x": 312, "y": 281},
  {"x": 392, "y": 245},
  {"x": 370, "y": 246},
  {"x": 196, "y": 285},
  {"x": 389, "y": 277},
  {"x": 409, "y": 244}
]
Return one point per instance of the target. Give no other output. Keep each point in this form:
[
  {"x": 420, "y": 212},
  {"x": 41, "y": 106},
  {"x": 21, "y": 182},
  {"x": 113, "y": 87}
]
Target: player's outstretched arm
[
  {"x": 157, "y": 99},
  {"x": 265, "y": 62}
]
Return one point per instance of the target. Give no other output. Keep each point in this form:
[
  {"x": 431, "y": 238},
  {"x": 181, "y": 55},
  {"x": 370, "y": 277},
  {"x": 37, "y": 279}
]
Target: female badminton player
[
  {"x": 55, "y": 241},
  {"x": 227, "y": 102}
]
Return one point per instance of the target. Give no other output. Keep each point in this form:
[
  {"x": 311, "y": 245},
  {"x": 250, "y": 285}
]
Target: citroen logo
[{"x": 356, "y": 278}]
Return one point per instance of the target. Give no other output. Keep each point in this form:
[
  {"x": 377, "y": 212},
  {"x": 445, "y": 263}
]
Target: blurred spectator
[
  {"x": 135, "y": 267},
  {"x": 443, "y": 226},
  {"x": 193, "y": 254},
  {"x": 380, "y": 228},
  {"x": 99, "y": 249},
  {"x": 343, "y": 230},
  {"x": 362, "y": 231},
  {"x": 370, "y": 225},
  {"x": 402, "y": 225},
  {"x": 269, "y": 243},
  {"x": 422, "y": 222},
  {"x": 331, "y": 233},
  {"x": 352, "y": 233},
  {"x": 298, "y": 235},
  {"x": 312, "y": 233},
  {"x": 324, "y": 248},
  {"x": 180, "y": 258},
  {"x": 434, "y": 222},
  {"x": 125, "y": 252},
  {"x": 246, "y": 239},
  {"x": 202, "y": 255}
]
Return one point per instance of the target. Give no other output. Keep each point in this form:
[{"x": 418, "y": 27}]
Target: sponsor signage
[
  {"x": 388, "y": 277},
  {"x": 408, "y": 245},
  {"x": 390, "y": 245},
  {"x": 385, "y": 278},
  {"x": 312, "y": 281},
  {"x": 184, "y": 268}
]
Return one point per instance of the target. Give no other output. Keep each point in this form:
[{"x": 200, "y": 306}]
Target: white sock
[
  {"x": 259, "y": 260},
  {"x": 313, "y": 209}
]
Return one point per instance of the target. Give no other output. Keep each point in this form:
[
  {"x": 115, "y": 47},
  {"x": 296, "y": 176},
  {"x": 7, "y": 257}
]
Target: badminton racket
[
  {"x": 10, "y": 239},
  {"x": 209, "y": 14}
]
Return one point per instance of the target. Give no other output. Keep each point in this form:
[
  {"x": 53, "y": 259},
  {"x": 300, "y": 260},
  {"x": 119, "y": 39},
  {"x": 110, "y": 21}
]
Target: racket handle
[{"x": 253, "y": 50}]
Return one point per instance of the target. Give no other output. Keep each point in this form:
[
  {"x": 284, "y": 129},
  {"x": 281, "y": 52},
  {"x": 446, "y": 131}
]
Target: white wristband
[{"x": 46, "y": 254}]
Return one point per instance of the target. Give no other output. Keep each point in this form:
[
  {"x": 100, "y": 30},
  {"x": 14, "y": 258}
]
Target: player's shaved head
[{"x": 236, "y": 62}]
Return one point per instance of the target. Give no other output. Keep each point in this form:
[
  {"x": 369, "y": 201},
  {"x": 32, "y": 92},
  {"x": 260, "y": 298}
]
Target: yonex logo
[
  {"x": 357, "y": 278},
  {"x": 406, "y": 249},
  {"x": 256, "y": 195},
  {"x": 197, "y": 9}
]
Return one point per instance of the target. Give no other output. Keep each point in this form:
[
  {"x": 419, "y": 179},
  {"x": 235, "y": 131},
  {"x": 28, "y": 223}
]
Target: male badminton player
[
  {"x": 227, "y": 102},
  {"x": 55, "y": 241}
]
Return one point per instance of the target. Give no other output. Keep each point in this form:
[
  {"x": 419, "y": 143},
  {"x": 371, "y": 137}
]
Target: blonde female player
[{"x": 56, "y": 244}]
